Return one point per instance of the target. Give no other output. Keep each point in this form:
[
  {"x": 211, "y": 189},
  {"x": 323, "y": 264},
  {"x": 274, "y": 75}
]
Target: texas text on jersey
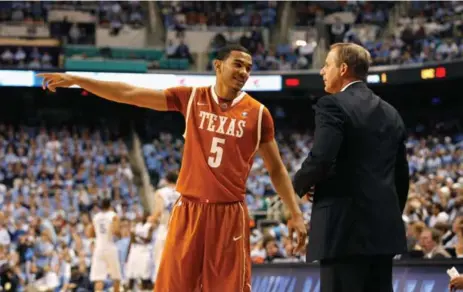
[{"x": 220, "y": 142}]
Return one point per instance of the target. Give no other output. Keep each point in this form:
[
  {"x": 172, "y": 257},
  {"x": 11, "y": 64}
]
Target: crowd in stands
[
  {"x": 430, "y": 31},
  {"x": 201, "y": 14},
  {"x": 115, "y": 13},
  {"x": 28, "y": 57},
  {"x": 69, "y": 31},
  {"x": 51, "y": 181},
  {"x": 308, "y": 12}
]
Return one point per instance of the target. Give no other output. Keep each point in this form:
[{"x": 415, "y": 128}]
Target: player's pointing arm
[
  {"x": 161, "y": 100},
  {"x": 280, "y": 178}
]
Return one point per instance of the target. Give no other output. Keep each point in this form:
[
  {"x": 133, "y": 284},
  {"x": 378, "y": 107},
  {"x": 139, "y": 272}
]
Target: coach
[{"x": 359, "y": 170}]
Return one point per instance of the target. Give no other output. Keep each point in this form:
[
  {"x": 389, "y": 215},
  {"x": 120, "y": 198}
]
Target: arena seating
[
  {"x": 51, "y": 178},
  {"x": 58, "y": 191},
  {"x": 210, "y": 14},
  {"x": 427, "y": 32},
  {"x": 105, "y": 29}
]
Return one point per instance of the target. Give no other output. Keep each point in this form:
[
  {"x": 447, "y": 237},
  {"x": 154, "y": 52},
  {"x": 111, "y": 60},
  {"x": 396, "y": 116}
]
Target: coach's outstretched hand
[
  {"x": 55, "y": 80},
  {"x": 296, "y": 224}
]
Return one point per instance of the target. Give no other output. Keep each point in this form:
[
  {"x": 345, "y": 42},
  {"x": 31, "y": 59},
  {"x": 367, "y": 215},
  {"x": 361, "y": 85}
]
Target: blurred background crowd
[
  {"x": 185, "y": 35},
  {"x": 52, "y": 176}
]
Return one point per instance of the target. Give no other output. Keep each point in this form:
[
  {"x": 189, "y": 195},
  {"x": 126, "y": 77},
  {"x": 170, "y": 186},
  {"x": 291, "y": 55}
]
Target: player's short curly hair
[
  {"x": 105, "y": 203},
  {"x": 172, "y": 177},
  {"x": 224, "y": 52}
]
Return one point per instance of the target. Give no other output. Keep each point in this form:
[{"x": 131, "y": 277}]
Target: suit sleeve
[
  {"x": 329, "y": 133},
  {"x": 177, "y": 98},
  {"x": 402, "y": 178},
  {"x": 268, "y": 127}
]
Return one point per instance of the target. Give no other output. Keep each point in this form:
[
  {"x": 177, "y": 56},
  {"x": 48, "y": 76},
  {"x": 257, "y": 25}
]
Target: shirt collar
[{"x": 345, "y": 87}]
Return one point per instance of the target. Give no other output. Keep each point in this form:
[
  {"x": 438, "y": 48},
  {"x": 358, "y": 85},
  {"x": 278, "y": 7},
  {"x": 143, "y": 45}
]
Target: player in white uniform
[
  {"x": 139, "y": 262},
  {"x": 165, "y": 199},
  {"x": 105, "y": 260}
]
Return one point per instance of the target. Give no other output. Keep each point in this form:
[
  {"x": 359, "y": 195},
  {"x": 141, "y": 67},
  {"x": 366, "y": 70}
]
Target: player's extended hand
[
  {"x": 456, "y": 283},
  {"x": 55, "y": 80},
  {"x": 296, "y": 225}
]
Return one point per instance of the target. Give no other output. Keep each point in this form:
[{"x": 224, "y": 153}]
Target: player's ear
[{"x": 217, "y": 65}]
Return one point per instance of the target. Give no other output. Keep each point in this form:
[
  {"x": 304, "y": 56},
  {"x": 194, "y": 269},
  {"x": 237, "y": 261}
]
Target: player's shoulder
[
  {"x": 162, "y": 189},
  {"x": 250, "y": 101},
  {"x": 165, "y": 190},
  {"x": 202, "y": 90},
  {"x": 202, "y": 94}
]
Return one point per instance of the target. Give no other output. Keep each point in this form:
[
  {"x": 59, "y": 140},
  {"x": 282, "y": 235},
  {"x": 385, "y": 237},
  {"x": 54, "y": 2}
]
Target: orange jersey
[{"x": 220, "y": 143}]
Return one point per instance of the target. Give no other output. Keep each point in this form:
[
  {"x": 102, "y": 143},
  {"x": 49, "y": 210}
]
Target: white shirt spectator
[
  {"x": 74, "y": 33},
  {"x": 442, "y": 217},
  {"x": 20, "y": 55},
  {"x": 46, "y": 58},
  {"x": 48, "y": 282},
  {"x": 307, "y": 49},
  {"x": 116, "y": 8},
  {"x": 34, "y": 64},
  {"x": 443, "y": 49},
  {"x": 4, "y": 237},
  {"x": 7, "y": 56}
]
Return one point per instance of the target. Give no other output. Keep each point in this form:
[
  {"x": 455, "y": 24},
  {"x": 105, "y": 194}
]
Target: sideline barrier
[
  {"x": 270, "y": 81},
  {"x": 149, "y": 80},
  {"x": 408, "y": 276}
]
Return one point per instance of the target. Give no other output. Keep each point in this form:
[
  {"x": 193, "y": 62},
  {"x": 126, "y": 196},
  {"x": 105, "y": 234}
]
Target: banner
[
  {"x": 423, "y": 277},
  {"x": 17, "y": 78},
  {"x": 309, "y": 80},
  {"x": 147, "y": 80}
]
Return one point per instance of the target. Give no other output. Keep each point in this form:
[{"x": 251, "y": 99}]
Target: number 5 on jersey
[
  {"x": 102, "y": 228},
  {"x": 216, "y": 148}
]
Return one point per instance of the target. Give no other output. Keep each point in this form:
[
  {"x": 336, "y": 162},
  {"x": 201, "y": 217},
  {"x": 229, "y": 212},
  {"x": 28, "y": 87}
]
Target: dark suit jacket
[{"x": 359, "y": 168}]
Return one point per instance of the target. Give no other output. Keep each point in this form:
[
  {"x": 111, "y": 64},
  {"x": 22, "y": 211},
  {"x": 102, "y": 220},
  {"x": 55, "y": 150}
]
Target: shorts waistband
[{"x": 196, "y": 200}]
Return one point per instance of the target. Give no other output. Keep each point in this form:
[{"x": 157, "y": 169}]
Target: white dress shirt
[{"x": 344, "y": 88}]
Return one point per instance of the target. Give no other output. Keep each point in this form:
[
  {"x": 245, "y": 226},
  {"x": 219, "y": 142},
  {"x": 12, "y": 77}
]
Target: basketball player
[
  {"x": 165, "y": 199},
  {"x": 139, "y": 259},
  {"x": 105, "y": 260},
  {"x": 207, "y": 246}
]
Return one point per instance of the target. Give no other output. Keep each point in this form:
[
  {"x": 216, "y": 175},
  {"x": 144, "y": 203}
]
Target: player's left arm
[
  {"x": 90, "y": 232},
  {"x": 158, "y": 206},
  {"x": 279, "y": 176},
  {"x": 140, "y": 174},
  {"x": 116, "y": 226}
]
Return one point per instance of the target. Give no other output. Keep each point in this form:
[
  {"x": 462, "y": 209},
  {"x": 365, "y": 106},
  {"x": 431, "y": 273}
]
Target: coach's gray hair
[{"x": 356, "y": 57}]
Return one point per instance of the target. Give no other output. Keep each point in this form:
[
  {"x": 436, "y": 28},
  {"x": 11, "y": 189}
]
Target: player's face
[
  {"x": 332, "y": 73},
  {"x": 236, "y": 69}
]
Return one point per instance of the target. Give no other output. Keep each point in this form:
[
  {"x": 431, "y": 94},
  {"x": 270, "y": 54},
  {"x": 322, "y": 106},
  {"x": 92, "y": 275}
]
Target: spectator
[
  {"x": 430, "y": 242},
  {"x": 7, "y": 57},
  {"x": 74, "y": 34}
]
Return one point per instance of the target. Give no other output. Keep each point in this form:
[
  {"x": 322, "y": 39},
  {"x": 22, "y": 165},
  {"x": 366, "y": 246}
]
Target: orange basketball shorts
[{"x": 207, "y": 249}]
